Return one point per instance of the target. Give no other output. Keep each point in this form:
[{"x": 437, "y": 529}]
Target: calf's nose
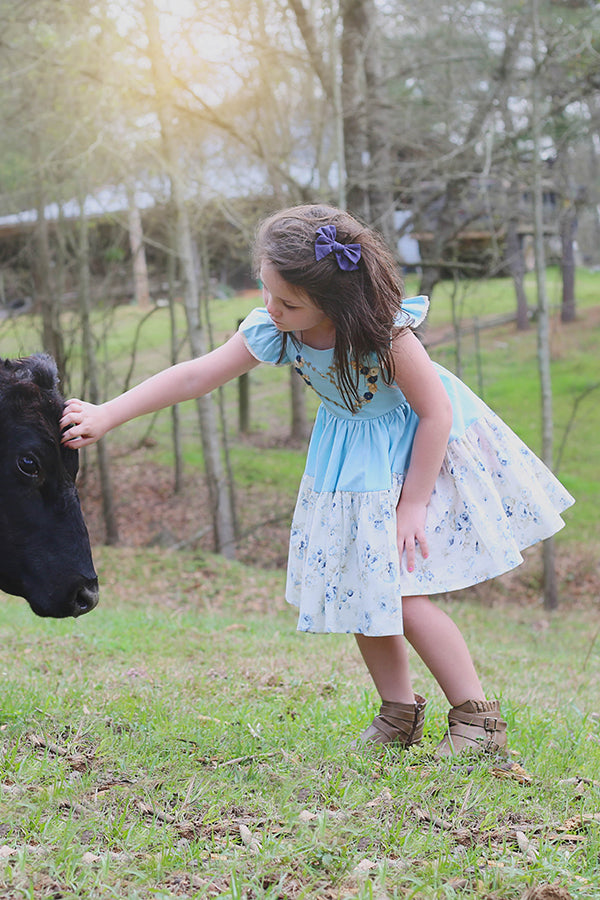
[{"x": 86, "y": 598}]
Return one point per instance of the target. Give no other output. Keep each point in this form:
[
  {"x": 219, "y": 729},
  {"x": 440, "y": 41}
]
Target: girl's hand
[
  {"x": 82, "y": 424},
  {"x": 410, "y": 530}
]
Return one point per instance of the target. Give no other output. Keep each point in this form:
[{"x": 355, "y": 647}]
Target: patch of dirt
[{"x": 149, "y": 513}]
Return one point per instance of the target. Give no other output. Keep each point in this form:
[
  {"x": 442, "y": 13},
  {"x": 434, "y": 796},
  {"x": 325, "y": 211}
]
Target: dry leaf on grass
[
  {"x": 248, "y": 839},
  {"x": 526, "y": 847},
  {"x": 511, "y": 770},
  {"x": 365, "y": 865},
  {"x": 306, "y": 816},
  {"x": 575, "y": 823}
]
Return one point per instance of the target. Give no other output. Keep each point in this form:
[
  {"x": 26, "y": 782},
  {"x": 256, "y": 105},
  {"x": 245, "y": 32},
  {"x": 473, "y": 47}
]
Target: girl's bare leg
[
  {"x": 386, "y": 659},
  {"x": 441, "y": 646}
]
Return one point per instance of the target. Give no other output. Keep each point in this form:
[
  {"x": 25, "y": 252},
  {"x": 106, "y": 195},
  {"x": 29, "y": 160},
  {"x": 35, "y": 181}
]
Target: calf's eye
[{"x": 28, "y": 465}]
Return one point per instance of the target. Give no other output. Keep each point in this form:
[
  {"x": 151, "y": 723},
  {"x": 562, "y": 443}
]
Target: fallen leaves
[{"x": 511, "y": 770}]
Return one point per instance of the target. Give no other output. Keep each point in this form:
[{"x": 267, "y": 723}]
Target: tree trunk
[
  {"x": 379, "y": 119},
  {"x": 300, "y": 424},
  {"x": 52, "y": 338},
  {"x": 329, "y": 76},
  {"x": 338, "y": 112},
  {"x": 224, "y": 432},
  {"x": 516, "y": 266},
  {"x": 141, "y": 288},
  {"x": 243, "y": 400},
  {"x": 568, "y": 229},
  {"x": 89, "y": 358},
  {"x": 175, "y": 417},
  {"x": 445, "y": 231},
  {"x": 593, "y": 178},
  {"x": 543, "y": 332},
  {"x": 366, "y": 118},
  {"x": 456, "y": 306},
  {"x": 220, "y": 502},
  {"x": 514, "y": 256},
  {"x": 353, "y": 88}
]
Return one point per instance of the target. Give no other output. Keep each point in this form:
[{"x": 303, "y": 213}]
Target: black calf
[{"x": 45, "y": 553}]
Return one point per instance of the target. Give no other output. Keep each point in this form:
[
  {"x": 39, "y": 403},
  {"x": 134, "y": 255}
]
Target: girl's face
[{"x": 291, "y": 309}]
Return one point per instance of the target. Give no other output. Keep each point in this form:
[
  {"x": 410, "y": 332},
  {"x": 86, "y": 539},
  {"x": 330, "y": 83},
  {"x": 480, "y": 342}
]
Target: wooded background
[{"x": 141, "y": 143}]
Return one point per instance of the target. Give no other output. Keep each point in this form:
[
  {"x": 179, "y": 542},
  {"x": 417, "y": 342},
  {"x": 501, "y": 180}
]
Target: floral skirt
[{"x": 492, "y": 499}]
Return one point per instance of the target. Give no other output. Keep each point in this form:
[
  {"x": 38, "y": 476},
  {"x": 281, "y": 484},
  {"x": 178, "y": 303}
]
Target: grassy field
[{"x": 183, "y": 741}]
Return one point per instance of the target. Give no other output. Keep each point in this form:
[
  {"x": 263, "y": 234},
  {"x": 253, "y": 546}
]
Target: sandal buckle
[{"x": 490, "y": 724}]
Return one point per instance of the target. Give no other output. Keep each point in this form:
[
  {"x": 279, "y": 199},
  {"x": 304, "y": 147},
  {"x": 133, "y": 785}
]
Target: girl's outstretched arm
[
  {"x": 86, "y": 423},
  {"x": 422, "y": 387}
]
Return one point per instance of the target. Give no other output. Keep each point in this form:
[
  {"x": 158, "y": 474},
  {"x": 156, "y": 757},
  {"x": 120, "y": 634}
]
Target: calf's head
[{"x": 45, "y": 553}]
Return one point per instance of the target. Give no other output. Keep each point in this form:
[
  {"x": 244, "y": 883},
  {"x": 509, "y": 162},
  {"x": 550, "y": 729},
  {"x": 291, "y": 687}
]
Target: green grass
[{"x": 184, "y": 741}]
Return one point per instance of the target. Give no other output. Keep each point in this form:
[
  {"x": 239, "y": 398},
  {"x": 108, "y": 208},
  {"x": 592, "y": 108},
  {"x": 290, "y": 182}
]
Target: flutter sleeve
[
  {"x": 262, "y": 338},
  {"x": 414, "y": 311}
]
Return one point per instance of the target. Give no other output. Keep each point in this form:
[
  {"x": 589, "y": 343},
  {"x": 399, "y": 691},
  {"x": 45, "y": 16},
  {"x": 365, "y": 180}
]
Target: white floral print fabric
[{"x": 492, "y": 499}]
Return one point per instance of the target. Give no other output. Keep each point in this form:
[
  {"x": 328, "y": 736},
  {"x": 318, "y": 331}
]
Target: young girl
[{"x": 412, "y": 485}]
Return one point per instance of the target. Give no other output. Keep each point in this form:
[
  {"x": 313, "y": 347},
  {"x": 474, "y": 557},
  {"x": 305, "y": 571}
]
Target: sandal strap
[
  {"x": 474, "y": 724},
  {"x": 399, "y": 723},
  {"x": 380, "y": 731}
]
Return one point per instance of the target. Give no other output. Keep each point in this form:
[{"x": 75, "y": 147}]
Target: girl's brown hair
[{"x": 363, "y": 304}]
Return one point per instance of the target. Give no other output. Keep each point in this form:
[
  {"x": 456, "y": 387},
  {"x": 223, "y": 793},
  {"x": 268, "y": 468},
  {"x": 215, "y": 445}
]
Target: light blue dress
[{"x": 493, "y": 496}]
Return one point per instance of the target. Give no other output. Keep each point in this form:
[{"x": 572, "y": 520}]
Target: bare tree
[
  {"x": 46, "y": 294},
  {"x": 221, "y": 508},
  {"x": 91, "y": 366},
  {"x": 325, "y": 57},
  {"x": 366, "y": 115},
  {"x": 550, "y": 583},
  {"x": 300, "y": 429},
  {"x": 141, "y": 287}
]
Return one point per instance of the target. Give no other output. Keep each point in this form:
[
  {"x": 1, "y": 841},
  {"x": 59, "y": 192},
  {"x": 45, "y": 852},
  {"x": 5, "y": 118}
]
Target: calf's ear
[
  {"x": 43, "y": 370},
  {"x": 40, "y": 369}
]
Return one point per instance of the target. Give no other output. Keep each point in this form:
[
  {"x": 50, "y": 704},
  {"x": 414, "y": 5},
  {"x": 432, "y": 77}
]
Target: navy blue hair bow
[{"x": 347, "y": 255}]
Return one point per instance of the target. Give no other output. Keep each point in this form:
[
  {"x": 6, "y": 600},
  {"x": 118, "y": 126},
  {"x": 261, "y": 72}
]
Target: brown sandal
[
  {"x": 397, "y": 723},
  {"x": 474, "y": 725}
]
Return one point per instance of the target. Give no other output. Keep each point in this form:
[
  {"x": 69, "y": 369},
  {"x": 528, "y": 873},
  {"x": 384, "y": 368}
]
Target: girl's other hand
[
  {"x": 410, "y": 531},
  {"x": 82, "y": 424}
]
